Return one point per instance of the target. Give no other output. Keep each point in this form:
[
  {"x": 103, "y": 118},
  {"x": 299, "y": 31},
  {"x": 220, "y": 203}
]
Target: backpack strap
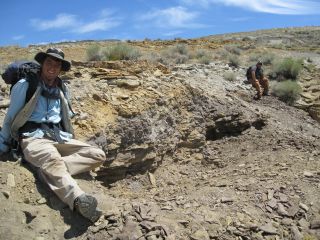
[
  {"x": 33, "y": 81},
  {"x": 65, "y": 91}
]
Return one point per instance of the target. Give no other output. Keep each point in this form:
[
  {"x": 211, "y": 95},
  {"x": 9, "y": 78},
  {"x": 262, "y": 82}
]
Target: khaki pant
[
  {"x": 57, "y": 162},
  {"x": 263, "y": 82}
]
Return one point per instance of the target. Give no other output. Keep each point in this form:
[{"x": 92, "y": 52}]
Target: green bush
[
  {"x": 180, "y": 48},
  {"x": 177, "y": 54},
  {"x": 203, "y": 56},
  {"x": 120, "y": 51},
  {"x": 200, "y": 53},
  {"x": 234, "y": 60},
  {"x": 233, "y": 49},
  {"x": 230, "y": 76},
  {"x": 287, "y": 91},
  {"x": 152, "y": 57},
  {"x": 204, "y": 60},
  {"x": 93, "y": 53},
  {"x": 265, "y": 57},
  {"x": 288, "y": 68}
]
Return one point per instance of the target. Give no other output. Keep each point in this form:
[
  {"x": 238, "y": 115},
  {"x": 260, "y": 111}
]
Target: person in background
[{"x": 258, "y": 80}]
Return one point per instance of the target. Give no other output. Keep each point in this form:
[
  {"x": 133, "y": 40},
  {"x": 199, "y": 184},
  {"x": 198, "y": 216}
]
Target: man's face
[
  {"x": 259, "y": 65},
  {"x": 51, "y": 69}
]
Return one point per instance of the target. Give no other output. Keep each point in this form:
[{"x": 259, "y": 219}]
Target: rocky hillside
[{"x": 190, "y": 155}]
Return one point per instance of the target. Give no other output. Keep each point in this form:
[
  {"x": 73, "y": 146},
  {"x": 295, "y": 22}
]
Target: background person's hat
[{"x": 56, "y": 53}]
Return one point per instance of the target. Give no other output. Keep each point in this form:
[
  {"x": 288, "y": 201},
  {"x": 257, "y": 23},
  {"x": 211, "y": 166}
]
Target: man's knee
[{"x": 98, "y": 154}]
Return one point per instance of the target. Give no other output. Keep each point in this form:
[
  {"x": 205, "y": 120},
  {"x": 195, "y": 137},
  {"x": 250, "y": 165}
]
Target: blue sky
[{"x": 35, "y": 22}]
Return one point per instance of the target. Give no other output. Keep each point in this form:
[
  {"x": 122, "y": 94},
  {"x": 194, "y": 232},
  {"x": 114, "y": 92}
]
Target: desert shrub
[
  {"x": 200, "y": 53},
  {"x": 224, "y": 54},
  {"x": 180, "y": 48},
  {"x": 93, "y": 53},
  {"x": 205, "y": 60},
  {"x": 234, "y": 60},
  {"x": 152, "y": 57},
  {"x": 265, "y": 57},
  {"x": 277, "y": 46},
  {"x": 246, "y": 38},
  {"x": 230, "y": 76},
  {"x": 268, "y": 58},
  {"x": 288, "y": 68},
  {"x": 287, "y": 91},
  {"x": 179, "y": 58},
  {"x": 120, "y": 51},
  {"x": 178, "y": 54},
  {"x": 203, "y": 56},
  {"x": 233, "y": 49}
]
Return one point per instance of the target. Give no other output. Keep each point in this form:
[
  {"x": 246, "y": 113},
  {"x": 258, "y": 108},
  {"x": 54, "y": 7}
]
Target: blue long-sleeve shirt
[{"x": 46, "y": 110}]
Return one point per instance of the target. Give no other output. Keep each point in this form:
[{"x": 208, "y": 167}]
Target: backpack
[
  {"x": 248, "y": 73},
  {"x": 248, "y": 76},
  {"x": 19, "y": 70}
]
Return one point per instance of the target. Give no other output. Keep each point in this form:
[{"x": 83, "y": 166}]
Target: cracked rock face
[{"x": 181, "y": 116}]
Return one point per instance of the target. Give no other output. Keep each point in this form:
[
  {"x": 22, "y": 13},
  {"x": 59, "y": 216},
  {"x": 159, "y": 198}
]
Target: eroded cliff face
[
  {"x": 152, "y": 111},
  {"x": 310, "y": 96}
]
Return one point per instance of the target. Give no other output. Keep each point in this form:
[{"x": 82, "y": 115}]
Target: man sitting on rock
[
  {"x": 258, "y": 80},
  {"x": 42, "y": 126}
]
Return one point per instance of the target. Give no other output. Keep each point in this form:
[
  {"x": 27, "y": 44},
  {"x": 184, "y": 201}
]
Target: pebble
[
  {"x": 227, "y": 200},
  {"x": 315, "y": 224},
  {"x": 270, "y": 194},
  {"x": 295, "y": 233},
  {"x": 272, "y": 203},
  {"x": 41, "y": 201},
  {"x": 200, "y": 235},
  {"x": 304, "y": 207},
  {"x": 10, "y": 180},
  {"x": 287, "y": 221},
  {"x": 283, "y": 198},
  {"x": 6, "y": 194},
  {"x": 269, "y": 229},
  {"x": 39, "y": 238},
  {"x": 152, "y": 179},
  {"x": 303, "y": 223},
  {"x": 281, "y": 210},
  {"x": 307, "y": 174}
]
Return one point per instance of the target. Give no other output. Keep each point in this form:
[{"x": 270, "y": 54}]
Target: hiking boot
[
  {"x": 86, "y": 205},
  {"x": 257, "y": 97},
  {"x": 266, "y": 94}
]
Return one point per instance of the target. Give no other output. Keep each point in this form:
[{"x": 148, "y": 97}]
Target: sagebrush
[
  {"x": 287, "y": 91},
  {"x": 118, "y": 51},
  {"x": 288, "y": 68}
]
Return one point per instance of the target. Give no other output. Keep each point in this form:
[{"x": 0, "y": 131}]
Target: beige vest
[{"x": 23, "y": 116}]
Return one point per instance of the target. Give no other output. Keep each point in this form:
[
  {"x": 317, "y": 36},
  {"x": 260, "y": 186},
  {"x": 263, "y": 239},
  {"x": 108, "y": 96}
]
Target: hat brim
[{"x": 41, "y": 56}]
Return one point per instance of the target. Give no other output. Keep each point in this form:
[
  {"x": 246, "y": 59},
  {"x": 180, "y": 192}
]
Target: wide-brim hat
[{"x": 55, "y": 53}]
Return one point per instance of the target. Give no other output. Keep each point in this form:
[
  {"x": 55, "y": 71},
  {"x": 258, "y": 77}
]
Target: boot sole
[{"x": 88, "y": 208}]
